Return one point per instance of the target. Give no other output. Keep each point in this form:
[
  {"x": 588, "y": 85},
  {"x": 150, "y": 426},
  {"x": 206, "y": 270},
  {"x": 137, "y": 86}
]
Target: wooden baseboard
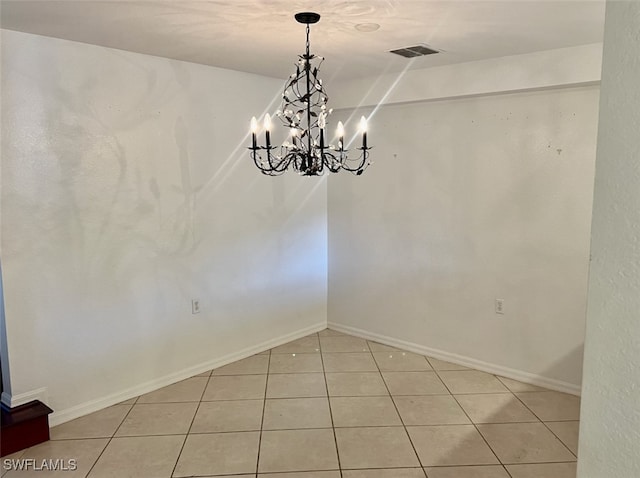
[{"x": 24, "y": 426}]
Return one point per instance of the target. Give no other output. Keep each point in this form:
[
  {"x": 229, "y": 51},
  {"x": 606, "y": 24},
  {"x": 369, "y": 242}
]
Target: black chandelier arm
[
  {"x": 363, "y": 162},
  {"x": 333, "y": 160},
  {"x": 269, "y": 168},
  {"x": 343, "y": 161}
]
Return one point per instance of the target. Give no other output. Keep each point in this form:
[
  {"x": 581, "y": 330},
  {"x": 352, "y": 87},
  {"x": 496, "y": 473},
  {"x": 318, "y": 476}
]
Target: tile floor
[{"x": 326, "y": 406}]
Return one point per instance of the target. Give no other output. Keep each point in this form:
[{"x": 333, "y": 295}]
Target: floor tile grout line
[
  {"x": 264, "y": 406},
  {"x": 110, "y": 440},
  {"x": 547, "y": 426},
  {"x": 333, "y": 426},
  {"x": 431, "y": 370},
  {"x": 318, "y": 373},
  {"x": 292, "y": 429},
  {"x": 474, "y": 425},
  {"x": 76, "y": 439},
  {"x": 561, "y": 421},
  {"x": 540, "y": 463},
  {"x": 395, "y": 406},
  {"x": 184, "y": 442}
]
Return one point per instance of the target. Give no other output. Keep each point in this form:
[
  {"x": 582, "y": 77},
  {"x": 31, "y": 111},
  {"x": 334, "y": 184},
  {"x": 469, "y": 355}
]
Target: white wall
[
  {"x": 470, "y": 200},
  {"x": 127, "y": 190},
  {"x": 610, "y": 415}
]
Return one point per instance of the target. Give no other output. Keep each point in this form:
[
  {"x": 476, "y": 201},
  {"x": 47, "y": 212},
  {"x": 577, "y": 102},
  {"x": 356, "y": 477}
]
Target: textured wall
[
  {"x": 610, "y": 419},
  {"x": 471, "y": 200},
  {"x": 127, "y": 190}
]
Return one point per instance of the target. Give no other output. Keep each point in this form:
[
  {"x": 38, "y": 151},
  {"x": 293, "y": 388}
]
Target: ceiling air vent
[{"x": 414, "y": 51}]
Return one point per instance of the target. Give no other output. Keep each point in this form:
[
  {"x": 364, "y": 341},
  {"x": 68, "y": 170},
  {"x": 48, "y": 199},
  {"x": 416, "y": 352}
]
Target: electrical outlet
[
  {"x": 195, "y": 306},
  {"x": 499, "y": 306}
]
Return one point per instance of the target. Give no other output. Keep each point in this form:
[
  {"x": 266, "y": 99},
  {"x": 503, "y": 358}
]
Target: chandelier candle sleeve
[
  {"x": 321, "y": 125},
  {"x": 254, "y": 130},
  {"x": 363, "y": 128},
  {"x": 267, "y": 130}
]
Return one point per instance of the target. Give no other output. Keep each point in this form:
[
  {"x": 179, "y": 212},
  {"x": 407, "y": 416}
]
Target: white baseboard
[
  {"x": 26, "y": 397},
  {"x": 514, "y": 374},
  {"x": 62, "y": 416}
]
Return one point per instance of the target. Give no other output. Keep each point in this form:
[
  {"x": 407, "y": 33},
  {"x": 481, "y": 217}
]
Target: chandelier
[{"x": 304, "y": 111}]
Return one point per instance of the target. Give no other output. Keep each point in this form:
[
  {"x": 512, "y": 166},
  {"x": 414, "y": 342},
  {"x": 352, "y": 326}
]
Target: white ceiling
[{"x": 261, "y": 36}]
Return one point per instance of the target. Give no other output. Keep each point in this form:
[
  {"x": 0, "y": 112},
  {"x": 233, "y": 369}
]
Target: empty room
[{"x": 330, "y": 239}]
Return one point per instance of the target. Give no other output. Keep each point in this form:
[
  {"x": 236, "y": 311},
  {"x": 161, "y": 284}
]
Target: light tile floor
[{"x": 326, "y": 406}]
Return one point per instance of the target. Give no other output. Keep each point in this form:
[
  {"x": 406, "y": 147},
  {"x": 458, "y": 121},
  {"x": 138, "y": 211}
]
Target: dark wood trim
[{"x": 24, "y": 426}]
